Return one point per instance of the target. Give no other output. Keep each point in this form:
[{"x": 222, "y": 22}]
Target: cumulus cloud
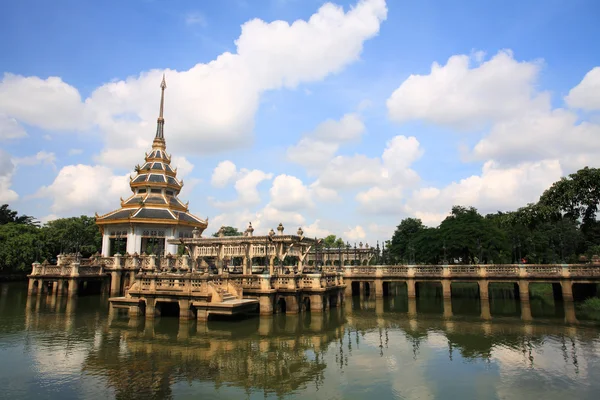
[
  {"x": 288, "y": 193},
  {"x": 10, "y": 128},
  {"x": 47, "y": 103},
  {"x": 586, "y": 95},
  {"x": 467, "y": 93},
  {"x": 355, "y": 233},
  {"x": 555, "y": 134},
  {"x": 496, "y": 189},
  {"x": 246, "y": 184},
  {"x": 318, "y": 147},
  {"x": 41, "y": 157},
  {"x": 211, "y": 106},
  {"x": 84, "y": 189},
  {"x": 223, "y": 174},
  {"x": 7, "y": 169}
]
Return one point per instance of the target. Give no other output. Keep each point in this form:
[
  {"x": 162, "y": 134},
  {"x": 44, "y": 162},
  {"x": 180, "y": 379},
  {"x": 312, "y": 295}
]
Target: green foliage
[
  {"x": 401, "y": 246},
  {"x": 71, "y": 235},
  {"x": 228, "y": 231},
  {"x": 20, "y": 246},
  {"x": 333, "y": 241},
  {"x": 7, "y": 216},
  {"x": 22, "y": 242}
]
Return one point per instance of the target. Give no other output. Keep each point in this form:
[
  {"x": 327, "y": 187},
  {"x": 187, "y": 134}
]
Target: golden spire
[{"x": 161, "y": 120}]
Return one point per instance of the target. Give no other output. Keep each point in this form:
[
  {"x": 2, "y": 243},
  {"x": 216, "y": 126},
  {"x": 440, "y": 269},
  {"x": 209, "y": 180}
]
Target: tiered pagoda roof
[{"x": 155, "y": 189}]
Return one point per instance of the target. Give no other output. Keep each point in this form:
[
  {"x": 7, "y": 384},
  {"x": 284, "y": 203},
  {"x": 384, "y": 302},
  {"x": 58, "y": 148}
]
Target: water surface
[{"x": 370, "y": 348}]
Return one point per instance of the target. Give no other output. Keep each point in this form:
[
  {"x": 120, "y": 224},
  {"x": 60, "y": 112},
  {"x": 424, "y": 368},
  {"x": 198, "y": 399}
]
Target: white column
[
  {"x": 138, "y": 239},
  {"x": 131, "y": 241},
  {"x": 105, "y": 244},
  {"x": 170, "y": 248}
]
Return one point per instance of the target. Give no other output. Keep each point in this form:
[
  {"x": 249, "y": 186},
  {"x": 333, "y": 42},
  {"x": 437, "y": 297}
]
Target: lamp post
[
  {"x": 339, "y": 256},
  {"x": 377, "y": 253},
  {"x": 355, "y": 254},
  {"x": 444, "y": 247}
]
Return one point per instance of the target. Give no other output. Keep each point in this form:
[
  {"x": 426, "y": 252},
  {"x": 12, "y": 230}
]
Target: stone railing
[
  {"x": 73, "y": 269},
  {"x": 493, "y": 271}
]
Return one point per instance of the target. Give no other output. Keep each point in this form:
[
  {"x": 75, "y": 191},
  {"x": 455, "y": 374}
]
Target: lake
[{"x": 70, "y": 348}]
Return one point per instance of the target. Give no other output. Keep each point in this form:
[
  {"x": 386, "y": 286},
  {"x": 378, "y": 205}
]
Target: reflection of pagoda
[
  {"x": 153, "y": 212},
  {"x": 255, "y": 356}
]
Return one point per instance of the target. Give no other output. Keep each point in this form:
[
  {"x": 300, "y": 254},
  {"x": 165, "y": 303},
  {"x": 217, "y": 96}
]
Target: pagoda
[{"x": 153, "y": 213}]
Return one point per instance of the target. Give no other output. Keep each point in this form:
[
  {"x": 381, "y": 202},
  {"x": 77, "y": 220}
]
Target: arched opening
[
  {"x": 333, "y": 300},
  {"x": 168, "y": 308},
  {"x": 355, "y": 288},
  {"x": 281, "y": 305},
  {"x": 364, "y": 262},
  {"x": 306, "y": 304}
]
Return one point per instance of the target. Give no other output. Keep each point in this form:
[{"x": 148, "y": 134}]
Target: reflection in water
[{"x": 393, "y": 347}]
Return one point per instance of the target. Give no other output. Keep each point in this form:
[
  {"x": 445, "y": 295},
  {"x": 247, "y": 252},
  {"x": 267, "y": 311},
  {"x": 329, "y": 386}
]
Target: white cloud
[
  {"x": 7, "y": 169},
  {"x": 315, "y": 230},
  {"x": 355, "y": 233},
  {"x": 223, "y": 174},
  {"x": 183, "y": 165},
  {"x": 288, "y": 193},
  {"x": 85, "y": 189},
  {"x": 47, "y": 103},
  {"x": 211, "y": 106},
  {"x": 360, "y": 171},
  {"x": 586, "y": 95},
  {"x": 10, "y": 128},
  {"x": 246, "y": 184},
  {"x": 41, "y": 157},
  {"x": 540, "y": 136},
  {"x": 496, "y": 189},
  {"x": 318, "y": 147},
  {"x": 464, "y": 96}
]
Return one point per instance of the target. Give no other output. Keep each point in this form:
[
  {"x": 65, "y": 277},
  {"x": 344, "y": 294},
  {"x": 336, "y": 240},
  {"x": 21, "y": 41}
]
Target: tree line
[
  {"x": 562, "y": 227},
  {"x": 24, "y": 240}
]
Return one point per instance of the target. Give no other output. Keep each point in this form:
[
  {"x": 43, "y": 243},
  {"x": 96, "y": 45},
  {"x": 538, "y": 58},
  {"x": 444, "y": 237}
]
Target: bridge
[{"x": 145, "y": 284}]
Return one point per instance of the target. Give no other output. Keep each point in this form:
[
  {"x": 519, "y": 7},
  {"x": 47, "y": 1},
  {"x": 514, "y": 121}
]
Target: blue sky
[{"x": 511, "y": 106}]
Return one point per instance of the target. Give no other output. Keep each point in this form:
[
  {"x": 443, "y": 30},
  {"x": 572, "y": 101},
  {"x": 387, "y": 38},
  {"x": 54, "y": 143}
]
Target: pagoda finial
[{"x": 161, "y": 120}]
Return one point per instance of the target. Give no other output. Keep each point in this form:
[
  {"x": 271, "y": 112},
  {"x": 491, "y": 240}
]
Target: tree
[
  {"x": 333, "y": 241},
  {"x": 408, "y": 229},
  {"x": 19, "y": 247},
  {"x": 470, "y": 238},
  {"x": 577, "y": 196},
  {"x": 70, "y": 235},
  {"x": 228, "y": 231},
  {"x": 7, "y": 216}
]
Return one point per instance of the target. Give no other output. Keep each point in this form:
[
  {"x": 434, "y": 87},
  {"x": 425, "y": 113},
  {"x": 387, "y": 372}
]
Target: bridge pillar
[
  {"x": 31, "y": 286},
  {"x": 411, "y": 288},
  {"x": 447, "y": 307},
  {"x": 316, "y": 303},
  {"x": 60, "y": 287},
  {"x": 378, "y": 288},
  {"x": 54, "y": 288},
  {"x": 570, "y": 317},
  {"x": 526, "y": 310},
  {"x": 73, "y": 286},
  {"x": 291, "y": 304},
  {"x": 412, "y": 306},
  {"x": 265, "y": 303},
  {"x": 115, "y": 283},
  {"x": 151, "y": 309},
  {"x": 348, "y": 289},
  {"x": 483, "y": 290},
  {"x": 446, "y": 288},
  {"x": 485, "y": 308},
  {"x": 567, "y": 290},
  {"x": 524, "y": 290},
  {"x": 185, "y": 312}
]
